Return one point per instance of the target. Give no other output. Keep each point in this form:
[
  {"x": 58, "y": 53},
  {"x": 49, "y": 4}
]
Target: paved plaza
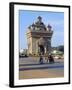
[{"x": 30, "y": 68}]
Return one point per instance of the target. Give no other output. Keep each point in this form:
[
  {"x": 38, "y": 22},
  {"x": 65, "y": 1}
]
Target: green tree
[{"x": 61, "y": 48}]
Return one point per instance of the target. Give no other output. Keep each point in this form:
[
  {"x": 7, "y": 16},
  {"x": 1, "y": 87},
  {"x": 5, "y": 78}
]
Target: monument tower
[{"x": 39, "y": 37}]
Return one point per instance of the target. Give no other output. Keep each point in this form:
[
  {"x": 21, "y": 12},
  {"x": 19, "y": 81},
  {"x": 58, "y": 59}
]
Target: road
[{"x": 30, "y": 68}]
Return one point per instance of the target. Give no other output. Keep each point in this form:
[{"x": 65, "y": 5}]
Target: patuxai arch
[{"x": 39, "y": 37}]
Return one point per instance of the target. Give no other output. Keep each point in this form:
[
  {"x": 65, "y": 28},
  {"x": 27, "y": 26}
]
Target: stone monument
[{"x": 39, "y": 37}]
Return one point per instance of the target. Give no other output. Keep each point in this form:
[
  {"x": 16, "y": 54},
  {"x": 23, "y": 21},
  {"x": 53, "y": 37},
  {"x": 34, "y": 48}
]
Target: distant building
[{"x": 39, "y": 37}]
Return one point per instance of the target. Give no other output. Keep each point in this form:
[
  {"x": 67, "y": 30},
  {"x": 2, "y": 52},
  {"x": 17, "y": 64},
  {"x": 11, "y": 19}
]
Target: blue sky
[{"x": 55, "y": 19}]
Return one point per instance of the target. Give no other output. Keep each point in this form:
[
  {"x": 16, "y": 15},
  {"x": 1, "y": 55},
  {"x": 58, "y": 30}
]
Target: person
[
  {"x": 47, "y": 59},
  {"x": 41, "y": 59},
  {"x": 51, "y": 59}
]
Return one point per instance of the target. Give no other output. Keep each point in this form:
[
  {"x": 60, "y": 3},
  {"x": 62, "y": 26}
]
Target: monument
[{"x": 39, "y": 37}]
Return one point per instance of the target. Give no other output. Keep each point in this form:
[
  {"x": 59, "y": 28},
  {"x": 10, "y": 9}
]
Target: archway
[{"x": 41, "y": 49}]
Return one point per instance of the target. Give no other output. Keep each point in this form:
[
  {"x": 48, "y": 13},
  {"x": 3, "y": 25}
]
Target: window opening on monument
[{"x": 41, "y": 49}]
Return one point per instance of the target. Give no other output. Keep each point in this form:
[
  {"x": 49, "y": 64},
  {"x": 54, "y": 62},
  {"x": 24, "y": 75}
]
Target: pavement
[{"x": 29, "y": 67}]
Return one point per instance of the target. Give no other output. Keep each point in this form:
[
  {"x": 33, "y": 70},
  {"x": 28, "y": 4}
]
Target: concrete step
[{"x": 41, "y": 66}]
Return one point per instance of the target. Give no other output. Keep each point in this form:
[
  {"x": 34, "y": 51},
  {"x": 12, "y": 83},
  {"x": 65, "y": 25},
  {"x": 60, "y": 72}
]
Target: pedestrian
[
  {"x": 51, "y": 59},
  {"x": 41, "y": 59},
  {"x": 47, "y": 59}
]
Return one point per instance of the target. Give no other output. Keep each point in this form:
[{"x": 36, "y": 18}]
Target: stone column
[
  {"x": 49, "y": 46},
  {"x": 45, "y": 50}
]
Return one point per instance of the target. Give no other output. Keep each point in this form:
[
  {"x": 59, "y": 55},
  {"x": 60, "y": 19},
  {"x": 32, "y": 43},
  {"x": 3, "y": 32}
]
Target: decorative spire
[
  {"x": 39, "y": 17},
  {"x": 49, "y": 27},
  {"x": 39, "y": 25}
]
